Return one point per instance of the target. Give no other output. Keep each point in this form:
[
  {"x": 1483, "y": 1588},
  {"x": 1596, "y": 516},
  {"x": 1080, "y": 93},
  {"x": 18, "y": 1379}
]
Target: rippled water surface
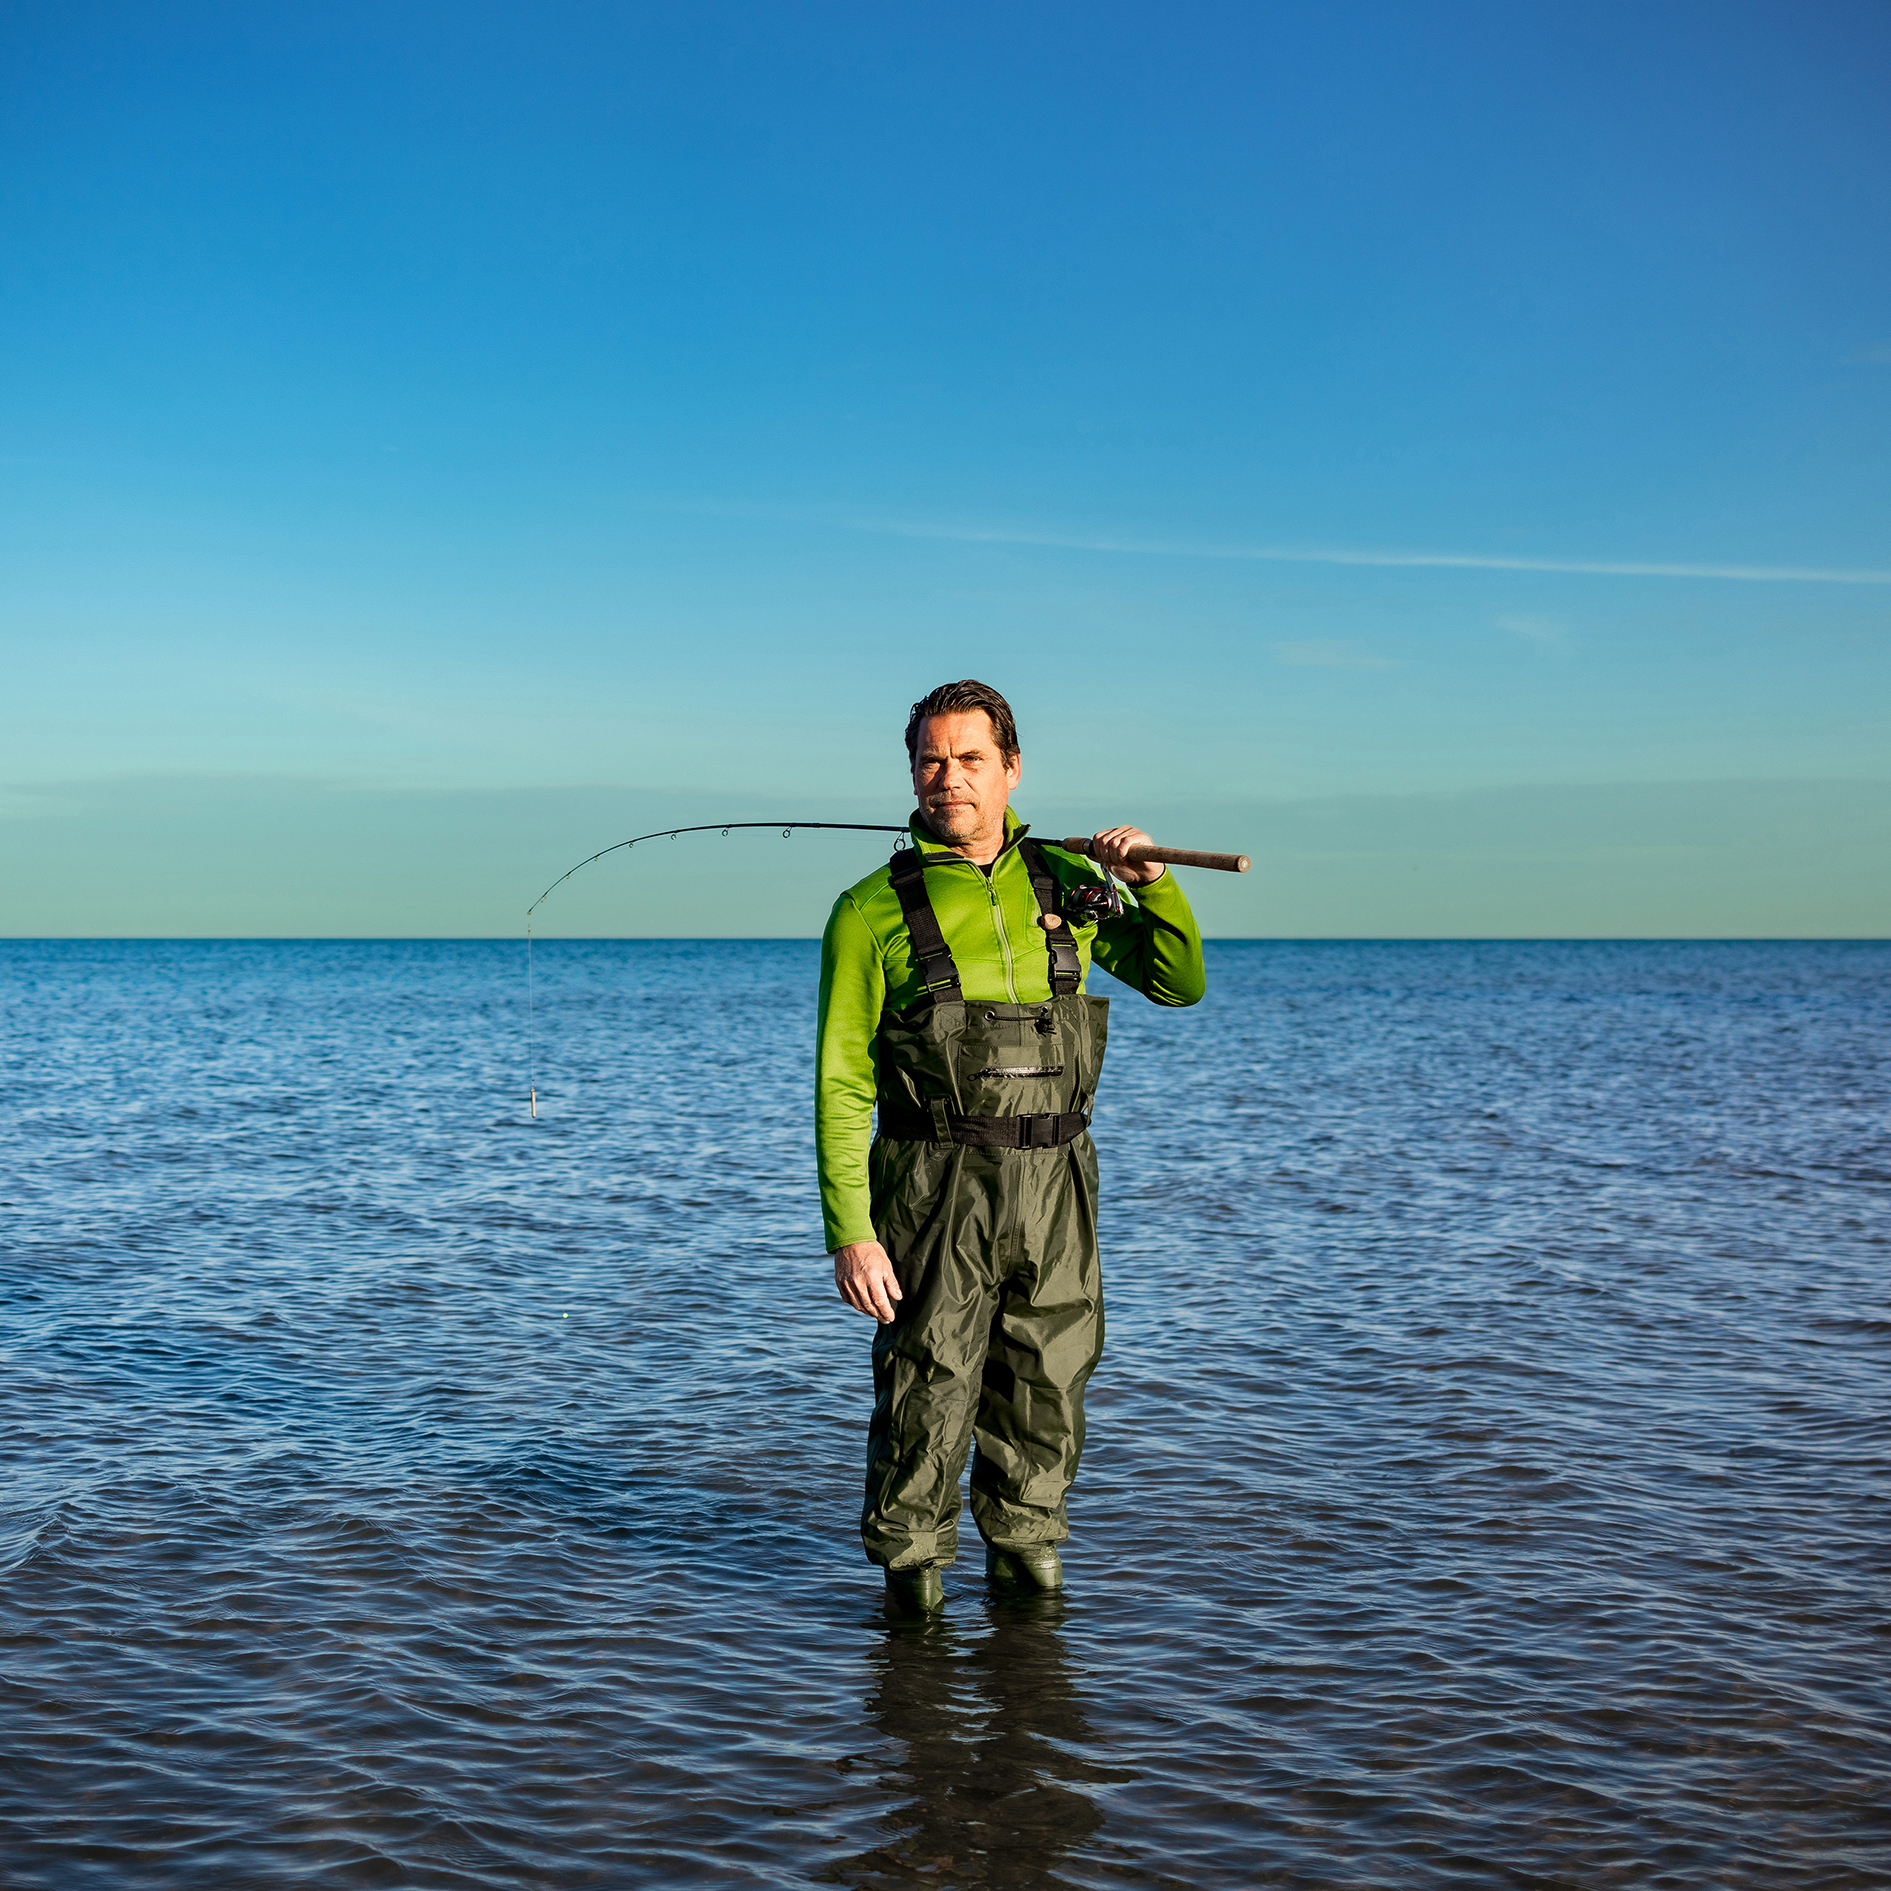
[{"x": 1486, "y": 1481}]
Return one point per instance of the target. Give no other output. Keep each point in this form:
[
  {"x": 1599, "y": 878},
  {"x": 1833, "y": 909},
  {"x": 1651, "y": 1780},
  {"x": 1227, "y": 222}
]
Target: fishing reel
[{"x": 1091, "y": 901}]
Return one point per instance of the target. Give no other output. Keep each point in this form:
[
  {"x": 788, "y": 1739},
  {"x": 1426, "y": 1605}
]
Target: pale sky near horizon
[{"x": 1440, "y": 450}]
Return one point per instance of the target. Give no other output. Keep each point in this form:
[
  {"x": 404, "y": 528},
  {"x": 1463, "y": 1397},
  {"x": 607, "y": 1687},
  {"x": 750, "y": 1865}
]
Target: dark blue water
[{"x": 1486, "y": 1486}]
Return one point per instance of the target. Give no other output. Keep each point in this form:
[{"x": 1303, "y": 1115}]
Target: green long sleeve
[{"x": 991, "y": 924}]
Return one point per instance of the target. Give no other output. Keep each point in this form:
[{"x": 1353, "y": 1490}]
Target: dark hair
[{"x": 957, "y": 699}]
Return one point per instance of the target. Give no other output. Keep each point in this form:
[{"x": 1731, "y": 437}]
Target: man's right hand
[{"x": 865, "y": 1278}]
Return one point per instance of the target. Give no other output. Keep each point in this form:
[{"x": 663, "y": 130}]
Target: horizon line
[{"x": 813, "y": 938}]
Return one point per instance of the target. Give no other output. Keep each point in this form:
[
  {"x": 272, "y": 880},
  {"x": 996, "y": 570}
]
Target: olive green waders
[{"x": 984, "y": 1188}]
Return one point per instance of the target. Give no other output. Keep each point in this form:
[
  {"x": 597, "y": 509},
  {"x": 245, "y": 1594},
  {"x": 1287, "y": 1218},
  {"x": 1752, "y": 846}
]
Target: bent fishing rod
[{"x": 1076, "y": 844}]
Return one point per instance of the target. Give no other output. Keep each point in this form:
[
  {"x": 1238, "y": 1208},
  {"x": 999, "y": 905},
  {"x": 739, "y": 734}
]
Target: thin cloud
[
  {"x": 18, "y": 804},
  {"x": 1880, "y": 355},
  {"x": 1537, "y": 630},
  {"x": 1397, "y": 560},
  {"x": 1373, "y": 557},
  {"x": 1323, "y": 653}
]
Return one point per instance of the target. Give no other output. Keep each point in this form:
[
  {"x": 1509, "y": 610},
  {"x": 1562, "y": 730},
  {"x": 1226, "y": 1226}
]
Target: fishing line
[{"x": 724, "y": 828}]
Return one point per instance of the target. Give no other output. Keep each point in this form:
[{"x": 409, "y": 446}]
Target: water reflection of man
[
  {"x": 991, "y": 1782},
  {"x": 953, "y": 1004}
]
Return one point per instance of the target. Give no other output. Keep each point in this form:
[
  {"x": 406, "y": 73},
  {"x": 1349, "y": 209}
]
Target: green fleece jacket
[{"x": 991, "y": 924}]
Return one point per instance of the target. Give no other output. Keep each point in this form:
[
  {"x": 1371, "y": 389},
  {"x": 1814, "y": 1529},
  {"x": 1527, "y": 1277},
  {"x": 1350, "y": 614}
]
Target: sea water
[{"x": 1485, "y": 1485}]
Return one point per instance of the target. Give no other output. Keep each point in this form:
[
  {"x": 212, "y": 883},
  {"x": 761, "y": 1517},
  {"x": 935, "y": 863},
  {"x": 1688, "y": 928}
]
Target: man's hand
[
  {"x": 865, "y": 1278},
  {"x": 1112, "y": 854}
]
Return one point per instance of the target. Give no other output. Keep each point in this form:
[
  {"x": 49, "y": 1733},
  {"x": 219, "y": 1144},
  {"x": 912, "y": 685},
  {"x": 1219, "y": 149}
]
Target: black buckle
[{"x": 937, "y": 970}]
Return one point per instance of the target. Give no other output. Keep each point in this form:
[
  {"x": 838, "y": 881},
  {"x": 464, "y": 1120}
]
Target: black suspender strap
[
  {"x": 1066, "y": 967},
  {"x": 938, "y": 970}
]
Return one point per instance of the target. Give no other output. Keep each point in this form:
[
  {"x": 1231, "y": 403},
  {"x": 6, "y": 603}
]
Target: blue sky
[{"x": 1442, "y": 450}]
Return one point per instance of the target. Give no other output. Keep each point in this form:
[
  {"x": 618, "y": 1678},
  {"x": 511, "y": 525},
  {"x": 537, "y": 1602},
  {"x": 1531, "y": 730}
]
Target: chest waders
[{"x": 984, "y": 1186}]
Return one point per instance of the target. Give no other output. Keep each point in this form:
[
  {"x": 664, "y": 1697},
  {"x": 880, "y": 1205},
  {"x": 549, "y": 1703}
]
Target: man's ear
[{"x": 1014, "y": 769}]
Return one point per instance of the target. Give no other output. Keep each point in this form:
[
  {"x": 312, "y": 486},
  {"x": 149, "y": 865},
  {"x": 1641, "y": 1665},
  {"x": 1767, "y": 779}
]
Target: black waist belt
[{"x": 984, "y": 1132}]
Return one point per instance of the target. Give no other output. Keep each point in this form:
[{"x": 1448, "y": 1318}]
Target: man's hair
[{"x": 951, "y": 699}]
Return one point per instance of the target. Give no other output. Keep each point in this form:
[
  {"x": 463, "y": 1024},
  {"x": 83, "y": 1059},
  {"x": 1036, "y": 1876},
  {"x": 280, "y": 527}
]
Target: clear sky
[{"x": 1440, "y": 449}]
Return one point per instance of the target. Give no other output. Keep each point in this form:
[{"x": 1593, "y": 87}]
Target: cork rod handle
[{"x": 1169, "y": 856}]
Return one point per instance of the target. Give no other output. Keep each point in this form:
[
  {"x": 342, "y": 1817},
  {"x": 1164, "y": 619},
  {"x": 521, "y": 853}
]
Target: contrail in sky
[
  {"x": 1294, "y": 554},
  {"x": 1403, "y": 560}
]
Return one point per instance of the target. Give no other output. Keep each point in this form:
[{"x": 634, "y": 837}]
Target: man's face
[{"x": 962, "y": 780}]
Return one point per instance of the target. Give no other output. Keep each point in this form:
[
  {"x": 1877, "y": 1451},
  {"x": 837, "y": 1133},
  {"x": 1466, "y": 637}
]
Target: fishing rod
[
  {"x": 724, "y": 828},
  {"x": 1172, "y": 856},
  {"x": 1169, "y": 856}
]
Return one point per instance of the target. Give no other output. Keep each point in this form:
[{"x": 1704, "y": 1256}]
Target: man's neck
[{"x": 981, "y": 852}]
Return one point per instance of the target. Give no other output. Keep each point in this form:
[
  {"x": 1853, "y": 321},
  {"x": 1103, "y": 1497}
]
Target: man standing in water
[{"x": 952, "y": 1000}]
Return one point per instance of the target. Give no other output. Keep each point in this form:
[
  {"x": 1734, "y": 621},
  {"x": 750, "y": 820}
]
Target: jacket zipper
[
  {"x": 1004, "y": 938},
  {"x": 998, "y": 918}
]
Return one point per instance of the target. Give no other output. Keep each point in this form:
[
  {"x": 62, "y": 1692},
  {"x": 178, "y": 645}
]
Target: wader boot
[
  {"x": 984, "y": 1195},
  {"x": 1038, "y": 1571},
  {"x": 914, "y": 1592}
]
